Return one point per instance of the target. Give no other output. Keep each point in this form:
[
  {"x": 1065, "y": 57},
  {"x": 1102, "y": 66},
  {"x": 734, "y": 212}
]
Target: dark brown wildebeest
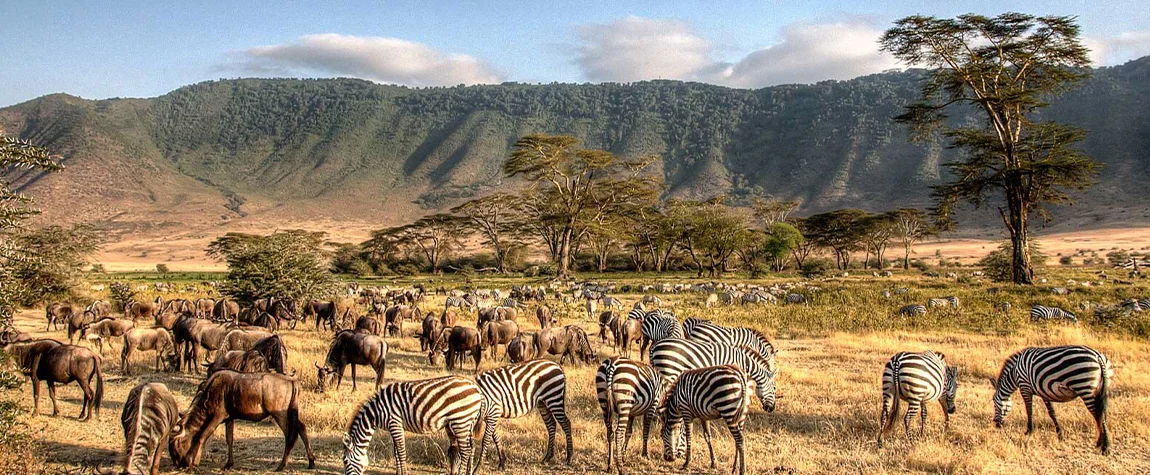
[
  {"x": 323, "y": 312},
  {"x": 225, "y": 310},
  {"x": 104, "y": 329},
  {"x": 352, "y": 348},
  {"x": 449, "y": 317},
  {"x": 521, "y": 348},
  {"x": 101, "y": 308},
  {"x": 498, "y": 333},
  {"x": 243, "y": 339},
  {"x": 76, "y": 323},
  {"x": 366, "y": 324},
  {"x": 484, "y": 315},
  {"x": 396, "y": 315},
  {"x": 242, "y": 361},
  {"x": 56, "y": 363},
  {"x": 256, "y": 318},
  {"x": 10, "y": 334},
  {"x": 569, "y": 342},
  {"x": 430, "y": 330},
  {"x": 454, "y": 343},
  {"x": 204, "y": 307},
  {"x": 179, "y": 306},
  {"x": 627, "y": 331},
  {"x": 608, "y": 321},
  {"x": 228, "y": 396},
  {"x": 191, "y": 334},
  {"x": 284, "y": 310},
  {"x": 167, "y": 318},
  {"x": 156, "y": 339},
  {"x": 150, "y": 413},
  {"x": 137, "y": 310},
  {"x": 545, "y": 317},
  {"x": 57, "y": 313}
]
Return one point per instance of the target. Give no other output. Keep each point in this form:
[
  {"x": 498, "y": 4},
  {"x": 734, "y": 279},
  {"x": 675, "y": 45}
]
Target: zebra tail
[
  {"x": 1104, "y": 389},
  {"x": 894, "y": 389},
  {"x": 611, "y": 387}
]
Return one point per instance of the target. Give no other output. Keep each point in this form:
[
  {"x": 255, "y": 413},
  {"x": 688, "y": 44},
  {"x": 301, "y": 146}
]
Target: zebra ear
[
  {"x": 993, "y": 382},
  {"x": 941, "y": 356}
]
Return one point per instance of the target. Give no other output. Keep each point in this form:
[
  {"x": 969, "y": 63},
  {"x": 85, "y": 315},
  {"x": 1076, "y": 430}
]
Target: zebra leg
[
  {"x": 1050, "y": 411},
  {"x": 884, "y": 416},
  {"x": 707, "y": 438},
  {"x": 549, "y": 421},
  {"x": 648, "y": 418},
  {"x": 630, "y": 425},
  {"x": 922, "y": 421},
  {"x": 912, "y": 408},
  {"x": 1028, "y": 402},
  {"x": 1097, "y": 408},
  {"x": 465, "y": 449},
  {"x": 740, "y": 465},
  {"x": 610, "y": 436},
  {"x": 687, "y": 440},
  {"x": 620, "y": 444},
  {"x": 945, "y": 419},
  {"x": 395, "y": 428},
  {"x": 559, "y": 414}
]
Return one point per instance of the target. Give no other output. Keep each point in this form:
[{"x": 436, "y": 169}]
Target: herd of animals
[{"x": 692, "y": 369}]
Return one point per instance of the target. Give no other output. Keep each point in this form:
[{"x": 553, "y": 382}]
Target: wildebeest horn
[{"x": 317, "y": 366}]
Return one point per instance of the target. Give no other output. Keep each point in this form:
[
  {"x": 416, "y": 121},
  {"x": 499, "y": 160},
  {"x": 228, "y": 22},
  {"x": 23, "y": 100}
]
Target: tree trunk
[
  {"x": 564, "y": 254},
  {"x": 1021, "y": 270},
  {"x": 906, "y": 256}
]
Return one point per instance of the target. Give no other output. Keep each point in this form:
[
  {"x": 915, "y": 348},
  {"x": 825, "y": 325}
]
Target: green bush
[
  {"x": 407, "y": 270},
  {"x": 815, "y": 268}
]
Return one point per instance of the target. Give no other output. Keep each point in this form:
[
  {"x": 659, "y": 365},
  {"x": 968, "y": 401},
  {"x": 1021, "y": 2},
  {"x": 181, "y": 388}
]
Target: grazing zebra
[
  {"x": 1137, "y": 305},
  {"x": 1038, "y": 312},
  {"x": 901, "y": 291},
  {"x": 796, "y": 298},
  {"x": 757, "y": 298},
  {"x": 452, "y": 403},
  {"x": 672, "y": 357},
  {"x": 511, "y": 303},
  {"x": 658, "y": 325},
  {"x": 943, "y": 302},
  {"x": 626, "y": 389},
  {"x": 513, "y": 391},
  {"x": 707, "y": 331},
  {"x": 917, "y": 378},
  {"x": 652, "y": 299},
  {"x": 1003, "y": 307},
  {"x": 730, "y": 297},
  {"x": 1060, "y": 291},
  {"x": 1056, "y": 374},
  {"x": 459, "y": 302},
  {"x": 718, "y": 392},
  {"x": 885, "y": 294},
  {"x": 611, "y": 302},
  {"x": 914, "y": 310}
]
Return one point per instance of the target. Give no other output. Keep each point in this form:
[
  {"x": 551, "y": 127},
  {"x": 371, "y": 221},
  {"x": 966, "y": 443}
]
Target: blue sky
[{"x": 146, "y": 48}]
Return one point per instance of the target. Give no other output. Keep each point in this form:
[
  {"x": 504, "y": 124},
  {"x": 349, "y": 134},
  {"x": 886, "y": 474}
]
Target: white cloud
[
  {"x": 635, "y": 49},
  {"x": 1118, "y": 49},
  {"x": 387, "y": 60}
]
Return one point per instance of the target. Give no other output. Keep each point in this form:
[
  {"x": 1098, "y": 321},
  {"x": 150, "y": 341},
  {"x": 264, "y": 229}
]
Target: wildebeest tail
[{"x": 99, "y": 396}]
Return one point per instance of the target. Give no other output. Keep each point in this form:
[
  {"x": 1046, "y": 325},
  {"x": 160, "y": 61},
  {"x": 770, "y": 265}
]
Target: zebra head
[
  {"x": 673, "y": 436},
  {"x": 765, "y": 389},
  {"x": 951, "y": 389},
  {"x": 354, "y": 456},
  {"x": 1004, "y": 387}
]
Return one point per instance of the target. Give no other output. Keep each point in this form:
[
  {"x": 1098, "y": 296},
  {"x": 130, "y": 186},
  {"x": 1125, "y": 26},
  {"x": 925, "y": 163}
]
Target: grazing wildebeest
[
  {"x": 244, "y": 339},
  {"x": 256, "y": 318},
  {"x": 498, "y": 333},
  {"x": 283, "y": 310},
  {"x": 150, "y": 413},
  {"x": 76, "y": 322},
  {"x": 225, "y": 310},
  {"x": 57, "y": 363},
  {"x": 104, "y": 329},
  {"x": 147, "y": 339},
  {"x": 58, "y": 312},
  {"x": 269, "y": 354},
  {"x": 191, "y": 334},
  {"x": 101, "y": 308},
  {"x": 396, "y": 315},
  {"x": 608, "y": 321},
  {"x": 204, "y": 308},
  {"x": 545, "y": 316},
  {"x": 366, "y": 324},
  {"x": 351, "y": 348},
  {"x": 431, "y": 328},
  {"x": 167, "y": 318},
  {"x": 228, "y": 396},
  {"x": 11, "y": 335},
  {"x": 521, "y": 348},
  {"x": 324, "y": 313},
  {"x": 567, "y": 341},
  {"x": 449, "y": 317},
  {"x": 146, "y": 310},
  {"x": 454, "y": 343}
]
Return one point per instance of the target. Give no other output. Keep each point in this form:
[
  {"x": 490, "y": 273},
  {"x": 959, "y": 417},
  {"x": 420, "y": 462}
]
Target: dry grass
[{"x": 826, "y": 422}]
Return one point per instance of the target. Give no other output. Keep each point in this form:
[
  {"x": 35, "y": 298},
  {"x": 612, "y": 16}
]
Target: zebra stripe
[
  {"x": 707, "y": 331},
  {"x": 1137, "y": 305},
  {"x": 626, "y": 389},
  {"x": 149, "y": 415},
  {"x": 672, "y": 357},
  {"x": 452, "y": 403},
  {"x": 1056, "y": 374},
  {"x": 652, "y": 299},
  {"x": 1038, "y": 313},
  {"x": 460, "y": 302},
  {"x": 657, "y": 326},
  {"x": 514, "y": 390},
  {"x": 916, "y": 378},
  {"x": 915, "y": 310},
  {"x": 721, "y": 392},
  {"x": 796, "y": 298}
]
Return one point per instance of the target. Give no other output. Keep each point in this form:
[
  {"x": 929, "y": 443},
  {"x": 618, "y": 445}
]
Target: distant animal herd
[{"x": 692, "y": 369}]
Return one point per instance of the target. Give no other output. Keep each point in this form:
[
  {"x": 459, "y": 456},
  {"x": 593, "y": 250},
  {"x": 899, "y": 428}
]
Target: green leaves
[{"x": 284, "y": 264}]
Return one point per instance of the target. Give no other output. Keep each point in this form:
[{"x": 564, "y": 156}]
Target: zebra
[
  {"x": 626, "y": 388},
  {"x": 914, "y": 310},
  {"x": 452, "y": 403},
  {"x": 611, "y": 302},
  {"x": 717, "y": 392},
  {"x": 796, "y": 299},
  {"x": 458, "y": 302},
  {"x": 943, "y": 302},
  {"x": 707, "y": 331},
  {"x": 514, "y": 390},
  {"x": 730, "y": 297},
  {"x": 1056, "y": 374},
  {"x": 1060, "y": 291},
  {"x": 1003, "y": 307},
  {"x": 652, "y": 299},
  {"x": 673, "y": 356},
  {"x": 511, "y": 303},
  {"x": 1038, "y": 312},
  {"x": 590, "y": 306},
  {"x": 1137, "y": 305},
  {"x": 658, "y": 325},
  {"x": 917, "y": 378}
]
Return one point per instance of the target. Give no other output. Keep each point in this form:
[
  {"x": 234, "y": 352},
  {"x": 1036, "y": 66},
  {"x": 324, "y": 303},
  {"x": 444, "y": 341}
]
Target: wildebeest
[
  {"x": 569, "y": 342},
  {"x": 352, "y": 348},
  {"x": 204, "y": 307},
  {"x": 150, "y": 413},
  {"x": 366, "y": 324},
  {"x": 521, "y": 348},
  {"x": 323, "y": 312},
  {"x": 254, "y": 317},
  {"x": 283, "y": 310},
  {"x": 101, "y": 308},
  {"x": 545, "y": 317},
  {"x": 76, "y": 322},
  {"x": 57, "y": 363},
  {"x": 454, "y": 343},
  {"x": 498, "y": 333},
  {"x": 623, "y": 330},
  {"x": 9, "y": 334},
  {"x": 104, "y": 329},
  {"x": 243, "y": 339},
  {"x": 430, "y": 330},
  {"x": 146, "y": 310},
  {"x": 266, "y": 354},
  {"x": 228, "y": 396},
  {"x": 225, "y": 310},
  {"x": 156, "y": 339},
  {"x": 57, "y": 313},
  {"x": 396, "y": 315},
  {"x": 193, "y": 334},
  {"x": 167, "y": 318}
]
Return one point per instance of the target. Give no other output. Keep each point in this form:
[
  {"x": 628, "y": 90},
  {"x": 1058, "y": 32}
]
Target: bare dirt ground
[{"x": 826, "y": 421}]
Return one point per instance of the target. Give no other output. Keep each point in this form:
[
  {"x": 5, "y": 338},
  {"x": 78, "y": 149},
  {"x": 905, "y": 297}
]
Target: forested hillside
[{"x": 297, "y": 149}]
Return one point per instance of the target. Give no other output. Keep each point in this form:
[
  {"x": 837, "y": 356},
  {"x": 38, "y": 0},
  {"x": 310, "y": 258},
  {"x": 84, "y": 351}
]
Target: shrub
[
  {"x": 162, "y": 268},
  {"x": 921, "y": 265},
  {"x": 121, "y": 293},
  {"x": 407, "y": 270},
  {"x": 997, "y": 264},
  {"x": 98, "y": 269},
  {"x": 815, "y": 268},
  {"x": 289, "y": 264}
]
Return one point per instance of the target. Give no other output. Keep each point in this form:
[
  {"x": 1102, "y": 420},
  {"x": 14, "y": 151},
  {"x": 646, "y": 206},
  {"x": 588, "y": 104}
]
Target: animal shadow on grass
[{"x": 261, "y": 454}]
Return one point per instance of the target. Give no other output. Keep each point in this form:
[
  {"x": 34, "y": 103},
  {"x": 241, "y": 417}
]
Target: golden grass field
[{"x": 832, "y": 355}]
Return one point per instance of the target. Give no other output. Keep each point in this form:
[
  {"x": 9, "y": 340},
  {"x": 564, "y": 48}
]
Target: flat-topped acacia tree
[{"x": 1003, "y": 68}]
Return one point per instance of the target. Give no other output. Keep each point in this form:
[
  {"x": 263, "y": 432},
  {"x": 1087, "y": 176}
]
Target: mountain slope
[{"x": 289, "y": 151}]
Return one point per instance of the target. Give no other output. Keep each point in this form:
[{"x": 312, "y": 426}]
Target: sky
[{"x": 101, "y": 49}]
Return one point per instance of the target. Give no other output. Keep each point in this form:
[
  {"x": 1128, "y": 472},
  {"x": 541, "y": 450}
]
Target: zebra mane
[
  {"x": 1009, "y": 365},
  {"x": 760, "y": 336},
  {"x": 759, "y": 359}
]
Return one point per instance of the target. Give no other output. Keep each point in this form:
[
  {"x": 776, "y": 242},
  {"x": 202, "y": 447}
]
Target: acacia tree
[
  {"x": 432, "y": 235},
  {"x": 571, "y": 187},
  {"x": 771, "y": 210},
  {"x": 1006, "y": 68},
  {"x": 497, "y": 219},
  {"x": 910, "y": 227},
  {"x": 15, "y": 256},
  {"x": 292, "y": 264},
  {"x": 841, "y": 231},
  {"x": 782, "y": 241},
  {"x": 878, "y": 231},
  {"x": 711, "y": 235}
]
